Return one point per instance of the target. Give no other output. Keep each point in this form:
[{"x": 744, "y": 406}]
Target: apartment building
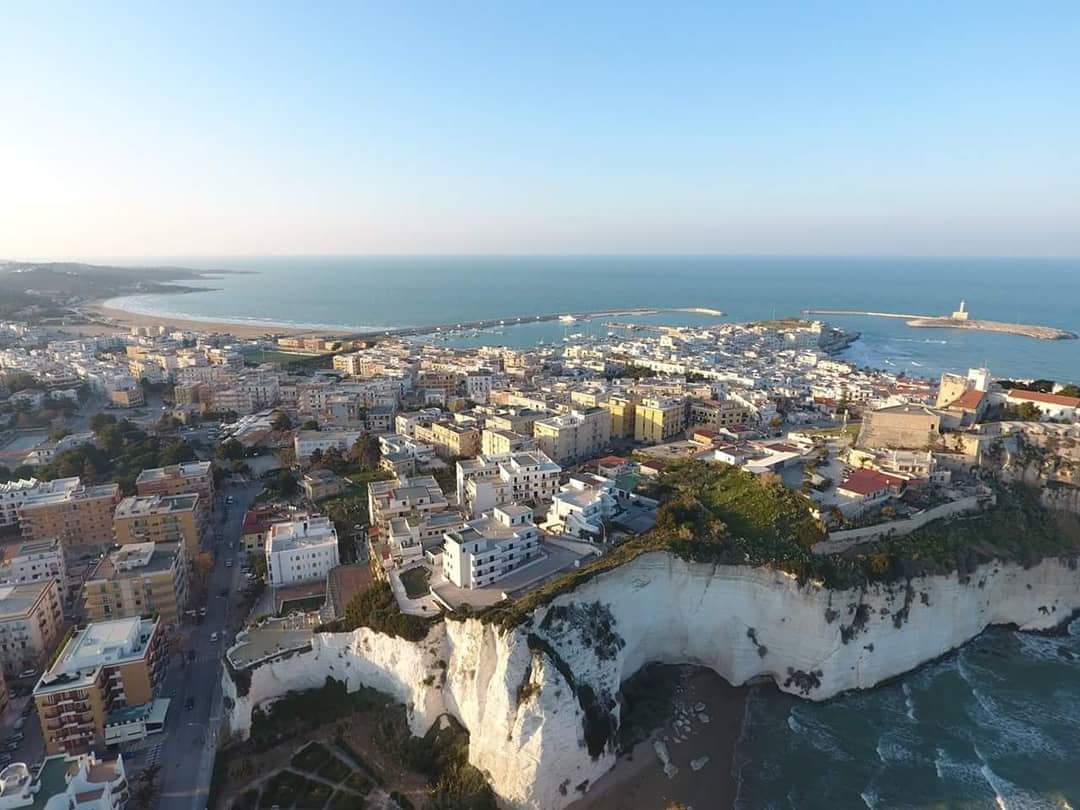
[
  {"x": 490, "y": 481},
  {"x": 306, "y": 442},
  {"x": 33, "y": 561},
  {"x": 485, "y": 550},
  {"x": 449, "y": 439},
  {"x": 139, "y": 580},
  {"x": 105, "y": 670},
  {"x": 581, "y": 506},
  {"x": 30, "y": 620},
  {"x": 195, "y": 477},
  {"x": 74, "y": 514},
  {"x": 520, "y": 420},
  {"x": 159, "y": 519},
  {"x": 714, "y": 414},
  {"x": 409, "y": 536},
  {"x": 301, "y": 550},
  {"x": 14, "y": 493},
  {"x": 574, "y": 436},
  {"x": 418, "y": 495},
  {"x": 405, "y": 423},
  {"x": 257, "y": 523},
  {"x": 503, "y": 442},
  {"x": 659, "y": 419},
  {"x": 81, "y": 782},
  {"x": 622, "y": 408}
]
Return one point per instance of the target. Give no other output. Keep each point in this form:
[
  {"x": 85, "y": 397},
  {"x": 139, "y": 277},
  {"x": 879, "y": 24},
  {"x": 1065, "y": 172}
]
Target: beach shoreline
[
  {"x": 638, "y": 778},
  {"x": 115, "y": 319}
]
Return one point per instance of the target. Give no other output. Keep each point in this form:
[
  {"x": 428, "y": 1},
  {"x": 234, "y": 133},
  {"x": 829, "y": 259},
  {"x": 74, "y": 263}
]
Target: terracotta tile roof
[
  {"x": 969, "y": 400},
  {"x": 1049, "y": 399},
  {"x": 866, "y": 482}
]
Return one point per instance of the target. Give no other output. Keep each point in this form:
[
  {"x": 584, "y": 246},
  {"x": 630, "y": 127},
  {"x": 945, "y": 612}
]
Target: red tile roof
[
  {"x": 969, "y": 400},
  {"x": 866, "y": 482},
  {"x": 1049, "y": 399},
  {"x": 611, "y": 461}
]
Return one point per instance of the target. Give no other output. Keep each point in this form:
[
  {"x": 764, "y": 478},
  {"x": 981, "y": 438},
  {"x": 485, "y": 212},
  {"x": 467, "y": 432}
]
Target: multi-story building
[
  {"x": 14, "y": 493},
  {"x": 103, "y": 672},
  {"x": 257, "y": 523},
  {"x": 30, "y": 621},
  {"x": 404, "y": 496},
  {"x": 573, "y": 436},
  {"x": 485, "y": 550},
  {"x": 80, "y": 782},
  {"x": 500, "y": 442},
  {"x": 405, "y": 423},
  {"x": 582, "y": 505},
  {"x": 34, "y": 561},
  {"x": 454, "y": 441},
  {"x": 306, "y": 442},
  {"x": 139, "y": 580},
  {"x": 659, "y": 419},
  {"x": 301, "y": 550},
  {"x": 181, "y": 479},
  {"x": 622, "y": 408},
  {"x": 489, "y": 481},
  {"x": 715, "y": 414},
  {"x": 159, "y": 519},
  {"x": 74, "y": 514},
  {"x": 409, "y": 536}
]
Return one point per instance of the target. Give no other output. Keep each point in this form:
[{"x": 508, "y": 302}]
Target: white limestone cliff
[{"x": 539, "y": 700}]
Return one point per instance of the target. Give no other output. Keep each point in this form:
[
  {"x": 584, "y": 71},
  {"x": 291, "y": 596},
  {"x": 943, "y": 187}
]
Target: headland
[{"x": 958, "y": 320}]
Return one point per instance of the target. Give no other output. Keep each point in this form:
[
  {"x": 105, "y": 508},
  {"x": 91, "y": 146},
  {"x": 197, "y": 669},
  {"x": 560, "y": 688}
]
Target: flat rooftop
[
  {"x": 98, "y": 644},
  {"x": 17, "y": 600},
  {"x": 136, "y": 560},
  {"x": 145, "y": 505},
  {"x": 194, "y": 469}
]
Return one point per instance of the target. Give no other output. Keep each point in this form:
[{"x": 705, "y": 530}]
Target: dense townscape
[{"x": 181, "y": 509}]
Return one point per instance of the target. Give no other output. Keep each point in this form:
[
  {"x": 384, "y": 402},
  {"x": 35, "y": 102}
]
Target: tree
[
  {"x": 231, "y": 449},
  {"x": 201, "y": 567},
  {"x": 1070, "y": 391},
  {"x": 100, "y": 421},
  {"x": 287, "y": 483},
  {"x": 281, "y": 422},
  {"x": 316, "y": 457},
  {"x": 366, "y": 452},
  {"x": 310, "y": 424}
]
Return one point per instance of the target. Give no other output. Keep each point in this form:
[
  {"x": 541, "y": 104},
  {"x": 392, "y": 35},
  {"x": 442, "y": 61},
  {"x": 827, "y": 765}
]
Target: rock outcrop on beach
[{"x": 540, "y": 700}]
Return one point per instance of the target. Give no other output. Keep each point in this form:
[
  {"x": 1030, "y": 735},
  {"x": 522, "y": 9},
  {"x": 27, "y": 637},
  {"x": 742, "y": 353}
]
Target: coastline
[{"x": 116, "y": 320}]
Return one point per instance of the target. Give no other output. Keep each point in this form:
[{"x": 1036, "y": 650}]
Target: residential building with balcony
[
  {"x": 139, "y": 580},
  {"x": 409, "y": 536},
  {"x": 489, "y": 481},
  {"x": 104, "y": 669},
  {"x": 574, "y": 436},
  {"x": 80, "y": 782},
  {"x": 582, "y": 505},
  {"x": 301, "y": 550},
  {"x": 404, "y": 496},
  {"x": 159, "y": 519},
  {"x": 31, "y": 617},
  {"x": 659, "y": 419},
  {"x": 33, "y": 561},
  {"x": 485, "y": 550},
  {"x": 306, "y": 442},
  {"x": 195, "y": 477},
  {"x": 74, "y": 514}
]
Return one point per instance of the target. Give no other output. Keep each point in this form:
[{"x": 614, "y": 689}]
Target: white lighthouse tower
[{"x": 960, "y": 314}]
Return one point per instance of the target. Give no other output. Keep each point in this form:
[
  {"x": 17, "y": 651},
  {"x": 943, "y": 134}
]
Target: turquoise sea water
[{"x": 401, "y": 291}]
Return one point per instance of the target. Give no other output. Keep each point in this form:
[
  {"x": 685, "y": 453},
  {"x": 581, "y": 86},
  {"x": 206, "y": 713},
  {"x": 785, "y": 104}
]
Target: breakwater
[{"x": 973, "y": 324}]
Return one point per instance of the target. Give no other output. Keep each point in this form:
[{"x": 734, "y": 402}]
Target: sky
[{"x": 821, "y": 128}]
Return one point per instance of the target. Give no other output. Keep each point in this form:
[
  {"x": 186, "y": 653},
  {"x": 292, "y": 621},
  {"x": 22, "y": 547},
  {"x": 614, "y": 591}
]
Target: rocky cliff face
[{"x": 540, "y": 701}]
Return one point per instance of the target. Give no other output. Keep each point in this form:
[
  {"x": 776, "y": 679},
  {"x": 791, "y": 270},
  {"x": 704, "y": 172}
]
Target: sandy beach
[
  {"x": 119, "y": 320},
  {"x": 638, "y": 780}
]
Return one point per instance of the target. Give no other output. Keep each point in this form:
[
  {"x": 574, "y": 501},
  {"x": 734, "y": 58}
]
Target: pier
[
  {"x": 958, "y": 320},
  {"x": 492, "y": 323}
]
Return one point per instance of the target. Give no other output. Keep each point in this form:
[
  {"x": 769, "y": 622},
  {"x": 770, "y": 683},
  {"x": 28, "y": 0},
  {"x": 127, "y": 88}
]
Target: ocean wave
[
  {"x": 909, "y": 702},
  {"x": 818, "y": 734}
]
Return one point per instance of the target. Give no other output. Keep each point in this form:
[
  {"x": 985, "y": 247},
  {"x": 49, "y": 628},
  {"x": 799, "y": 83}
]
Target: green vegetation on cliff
[{"x": 722, "y": 515}]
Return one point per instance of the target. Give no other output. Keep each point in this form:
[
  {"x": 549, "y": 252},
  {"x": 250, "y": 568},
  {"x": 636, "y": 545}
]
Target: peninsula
[{"x": 959, "y": 320}]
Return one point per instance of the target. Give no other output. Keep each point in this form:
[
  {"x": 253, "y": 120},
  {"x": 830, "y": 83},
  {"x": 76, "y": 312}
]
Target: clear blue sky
[{"x": 162, "y": 129}]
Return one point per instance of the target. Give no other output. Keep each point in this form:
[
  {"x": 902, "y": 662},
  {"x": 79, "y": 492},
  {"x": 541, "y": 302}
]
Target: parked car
[
  {"x": 228, "y": 563},
  {"x": 190, "y": 704},
  {"x": 28, "y": 673},
  {"x": 213, "y": 638}
]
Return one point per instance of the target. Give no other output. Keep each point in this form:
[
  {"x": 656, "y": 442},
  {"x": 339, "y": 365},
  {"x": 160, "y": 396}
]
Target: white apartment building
[
  {"x": 405, "y": 423},
  {"x": 485, "y": 550},
  {"x": 302, "y": 550},
  {"x": 418, "y": 495},
  {"x": 422, "y": 454},
  {"x": 489, "y": 481},
  {"x": 409, "y": 536},
  {"x": 65, "y": 782},
  {"x": 35, "y": 560},
  {"x": 574, "y": 436},
  {"x": 478, "y": 386},
  {"x": 306, "y": 442},
  {"x": 582, "y": 505},
  {"x": 14, "y": 494}
]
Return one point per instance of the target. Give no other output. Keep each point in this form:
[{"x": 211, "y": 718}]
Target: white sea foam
[{"x": 909, "y": 702}]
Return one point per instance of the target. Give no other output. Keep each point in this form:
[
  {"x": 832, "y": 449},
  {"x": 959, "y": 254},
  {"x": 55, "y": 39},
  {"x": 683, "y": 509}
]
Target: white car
[{"x": 213, "y": 638}]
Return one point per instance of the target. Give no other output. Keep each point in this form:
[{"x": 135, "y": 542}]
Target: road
[{"x": 187, "y": 754}]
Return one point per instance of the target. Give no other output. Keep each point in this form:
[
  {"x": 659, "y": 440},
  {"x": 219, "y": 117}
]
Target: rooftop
[
  {"x": 98, "y": 644},
  {"x": 137, "y": 560},
  {"x": 300, "y": 533},
  {"x": 1048, "y": 399},
  {"x": 193, "y": 469},
  {"x": 18, "y": 600},
  {"x": 146, "y": 505}
]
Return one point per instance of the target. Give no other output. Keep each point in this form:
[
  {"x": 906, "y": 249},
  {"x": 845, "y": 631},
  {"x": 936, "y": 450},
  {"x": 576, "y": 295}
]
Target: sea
[
  {"x": 993, "y": 725},
  {"x": 357, "y": 293}
]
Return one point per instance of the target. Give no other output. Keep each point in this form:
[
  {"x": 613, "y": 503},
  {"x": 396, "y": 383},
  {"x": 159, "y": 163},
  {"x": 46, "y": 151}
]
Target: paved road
[{"x": 187, "y": 757}]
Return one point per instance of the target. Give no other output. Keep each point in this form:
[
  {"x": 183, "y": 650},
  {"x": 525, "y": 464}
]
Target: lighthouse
[{"x": 960, "y": 314}]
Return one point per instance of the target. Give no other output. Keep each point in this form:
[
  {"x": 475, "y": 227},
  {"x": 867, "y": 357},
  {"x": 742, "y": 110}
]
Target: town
[{"x": 181, "y": 508}]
